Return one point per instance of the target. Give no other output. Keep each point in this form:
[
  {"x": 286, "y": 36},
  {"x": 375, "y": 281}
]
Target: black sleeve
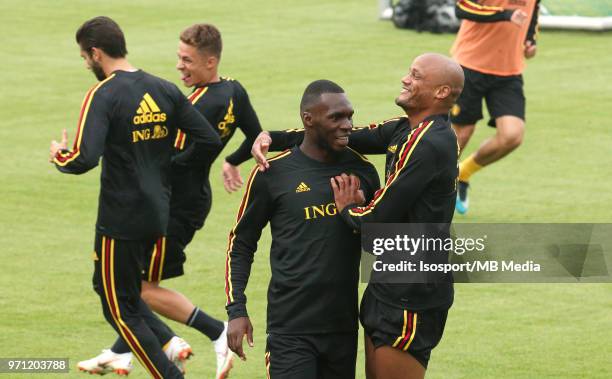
[
  {"x": 375, "y": 138},
  {"x": 285, "y": 139},
  {"x": 247, "y": 121},
  {"x": 403, "y": 187},
  {"x": 532, "y": 32},
  {"x": 90, "y": 137},
  {"x": 471, "y": 10},
  {"x": 372, "y": 139},
  {"x": 206, "y": 142},
  {"x": 253, "y": 215}
]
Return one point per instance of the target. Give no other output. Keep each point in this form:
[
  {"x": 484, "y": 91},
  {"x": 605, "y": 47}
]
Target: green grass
[
  {"x": 560, "y": 174},
  {"x": 592, "y": 8}
]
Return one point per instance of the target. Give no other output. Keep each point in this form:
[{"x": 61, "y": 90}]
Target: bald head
[
  {"x": 432, "y": 85},
  {"x": 444, "y": 72}
]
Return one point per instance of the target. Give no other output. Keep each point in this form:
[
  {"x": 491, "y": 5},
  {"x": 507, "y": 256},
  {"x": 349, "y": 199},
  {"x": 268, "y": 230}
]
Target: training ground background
[{"x": 275, "y": 48}]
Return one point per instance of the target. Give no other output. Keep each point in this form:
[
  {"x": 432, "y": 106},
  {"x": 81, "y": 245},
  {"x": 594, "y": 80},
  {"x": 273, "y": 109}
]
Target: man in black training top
[
  {"x": 420, "y": 187},
  {"x": 130, "y": 118},
  {"x": 224, "y": 103},
  {"x": 312, "y": 296}
]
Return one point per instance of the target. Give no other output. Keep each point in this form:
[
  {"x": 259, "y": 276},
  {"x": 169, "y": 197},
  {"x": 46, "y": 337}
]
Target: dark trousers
[
  {"x": 311, "y": 356},
  {"x": 117, "y": 279}
]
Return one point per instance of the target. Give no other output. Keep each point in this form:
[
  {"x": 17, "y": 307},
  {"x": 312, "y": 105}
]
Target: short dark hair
[
  {"x": 105, "y": 34},
  {"x": 315, "y": 89},
  {"x": 205, "y": 37}
]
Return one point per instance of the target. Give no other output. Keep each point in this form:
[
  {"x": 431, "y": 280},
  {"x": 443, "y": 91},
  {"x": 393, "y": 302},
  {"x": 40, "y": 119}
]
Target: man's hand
[
  {"x": 57, "y": 146},
  {"x": 530, "y": 49},
  {"x": 518, "y": 17},
  {"x": 231, "y": 177},
  {"x": 260, "y": 149},
  {"x": 236, "y": 330},
  {"x": 346, "y": 191}
]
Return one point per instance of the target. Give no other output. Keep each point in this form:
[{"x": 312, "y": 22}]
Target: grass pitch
[{"x": 560, "y": 174}]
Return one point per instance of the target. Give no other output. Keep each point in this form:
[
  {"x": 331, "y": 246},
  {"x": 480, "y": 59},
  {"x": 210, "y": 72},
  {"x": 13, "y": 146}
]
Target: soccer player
[
  {"x": 223, "y": 100},
  {"x": 403, "y": 324},
  {"x": 130, "y": 119},
  {"x": 312, "y": 295},
  {"x": 224, "y": 103},
  {"x": 420, "y": 188},
  {"x": 494, "y": 39}
]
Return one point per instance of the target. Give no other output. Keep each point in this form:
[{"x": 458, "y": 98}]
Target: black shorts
[
  {"x": 129, "y": 258},
  {"x": 166, "y": 259},
  {"x": 311, "y": 356},
  {"x": 414, "y": 332},
  {"x": 503, "y": 94}
]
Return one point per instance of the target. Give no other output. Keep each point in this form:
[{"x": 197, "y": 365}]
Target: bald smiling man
[{"x": 402, "y": 323}]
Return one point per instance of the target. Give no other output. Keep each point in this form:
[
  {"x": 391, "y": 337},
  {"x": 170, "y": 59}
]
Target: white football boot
[
  {"x": 178, "y": 351},
  {"x": 107, "y": 362},
  {"x": 225, "y": 356}
]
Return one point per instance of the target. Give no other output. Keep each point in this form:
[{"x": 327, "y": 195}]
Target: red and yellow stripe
[
  {"x": 156, "y": 265},
  {"x": 108, "y": 283},
  {"x": 475, "y": 8},
  {"x": 179, "y": 142},
  {"x": 63, "y": 158},
  {"x": 197, "y": 94},
  {"x": 232, "y": 235},
  {"x": 267, "y": 360},
  {"x": 406, "y": 151},
  {"x": 375, "y": 125},
  {"x": 296, "y": 130},
  {"x": 408, "y": 331}
]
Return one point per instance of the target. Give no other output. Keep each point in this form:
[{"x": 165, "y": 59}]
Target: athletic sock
[
  {"x": 467, "y": 168},
  {"x": 209, "y": 326}
]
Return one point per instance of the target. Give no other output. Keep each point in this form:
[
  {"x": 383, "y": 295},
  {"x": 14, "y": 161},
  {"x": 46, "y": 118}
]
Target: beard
[
  {"x": 98, "y": 72},
  {"x": 323, "y": 143}
]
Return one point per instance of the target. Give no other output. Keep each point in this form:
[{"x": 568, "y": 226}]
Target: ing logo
[
  {"x": 148, "y": 112},
  {"x": 156, "y": 132},
  {"x": 317, "y": 211}
]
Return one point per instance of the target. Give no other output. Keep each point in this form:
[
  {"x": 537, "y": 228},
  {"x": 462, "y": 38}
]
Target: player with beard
[
  {"x": 129, "y": 119},
  {"x": 312, "y": 296},
  {"x": 403, "y": 323},
  {"x": 225, "y": 103}
]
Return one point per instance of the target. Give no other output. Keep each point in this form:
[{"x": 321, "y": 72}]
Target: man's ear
[
  {"x": 95, "y": 54},
  {"x": 443, "y": 92},
  {"x": 211, "y": 62},
  {"x": 306, "y": 119}
]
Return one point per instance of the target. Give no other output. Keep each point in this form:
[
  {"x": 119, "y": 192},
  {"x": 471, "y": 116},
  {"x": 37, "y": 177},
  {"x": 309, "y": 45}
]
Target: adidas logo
[
  {"x": 302, "y": 188},
  {"x": 392, "y": 149},
  {"x": 148, "y": 111}
]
